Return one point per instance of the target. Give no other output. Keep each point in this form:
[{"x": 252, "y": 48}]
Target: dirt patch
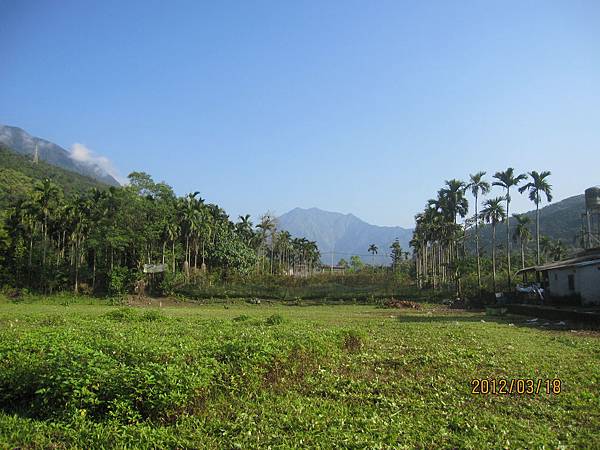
[{"x": 393, "y": 303}]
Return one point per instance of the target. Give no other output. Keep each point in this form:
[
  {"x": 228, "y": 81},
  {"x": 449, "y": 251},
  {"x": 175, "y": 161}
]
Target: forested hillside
[
  {"x": 558, "y": 221},
  {"x": 18, "y": 175},
  {"x": 23, "y": 143}
]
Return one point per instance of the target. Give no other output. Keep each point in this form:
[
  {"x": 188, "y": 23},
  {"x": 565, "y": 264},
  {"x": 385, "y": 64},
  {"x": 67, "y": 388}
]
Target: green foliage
[
  {"x": 152, "y": 315},
  {"x": 362, "y": 285},
  {"x": 122, "y": 315},
  {"x": 99, "y": 240},
  {"x": 328, "y": 376},
  {"x": 352, "y": 340},
  {"x": 119, "y": 281},
  {"x": 241, "y": 318},
  {"x": 18, "y": 175},
  {"x": 275, "y": 319},
  {"x": 356, "y": 263}
]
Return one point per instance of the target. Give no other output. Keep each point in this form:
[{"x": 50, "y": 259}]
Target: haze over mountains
[
  {"x": 19, "y": 141},
  {"x": 344, "y": 234}
]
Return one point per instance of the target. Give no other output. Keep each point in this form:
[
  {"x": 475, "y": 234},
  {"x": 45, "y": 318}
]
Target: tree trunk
[
  {"x": 44, "y": 249},
  {"x": 508, "y": 240},
  {"x": 76, "y": 267},
  {"x": 94, "y": 273},
  {"x": 173, "y": 254},
  {"x": 30, "y": 251},
  {"x": 477, "y": 246},
  {"x": 537, "y": 226},
  {"x": 494, "y": 257},
  {"x": 187, "y": 248},
  {"x": 522, "y": 254}
]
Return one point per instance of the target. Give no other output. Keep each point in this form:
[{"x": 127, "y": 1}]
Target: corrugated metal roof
[{"x": 585, "y": 258}]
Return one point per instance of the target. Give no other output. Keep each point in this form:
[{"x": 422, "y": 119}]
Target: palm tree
[
  {"x": 244, "y": 228},
  {"x": 81, "y": 212},
  {"x": 452, "y": 199},
  {"x": 173, "y": 233},
  {"x": 545, "y": 247},
  {"x": 284, "y": 245},
  {"x": 46, "y": 195},
  {"x": 397, "y": 253},
  {"x": 373, "y": 250},
  {"x": 506, "y": 180},
  {"x": 190, "y": 210},
  {"x": 522, "y": 234},
  {"x": 268, "y": 228},
  {"x": 478, "y": 186},
  {"x": 493, "y": 212},
  {"x": 537, "y": 186},
  {"x": 558, "y": 250}
]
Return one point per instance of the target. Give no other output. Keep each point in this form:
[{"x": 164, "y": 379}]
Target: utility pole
[{"x": 332, "y": 253}]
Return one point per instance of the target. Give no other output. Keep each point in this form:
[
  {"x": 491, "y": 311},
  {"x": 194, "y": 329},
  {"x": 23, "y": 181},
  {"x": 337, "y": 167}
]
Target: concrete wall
[
  {"x": 587, "y": 283},
  {"x": 558, "y": 281}
]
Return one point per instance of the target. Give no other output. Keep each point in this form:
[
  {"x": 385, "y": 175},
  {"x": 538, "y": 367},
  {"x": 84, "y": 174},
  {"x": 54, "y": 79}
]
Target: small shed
[{"x": 574, "y": 277}]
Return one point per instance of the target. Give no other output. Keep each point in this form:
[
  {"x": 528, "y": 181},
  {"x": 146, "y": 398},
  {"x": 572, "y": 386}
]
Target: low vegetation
[{"x": 81, "y": 372}]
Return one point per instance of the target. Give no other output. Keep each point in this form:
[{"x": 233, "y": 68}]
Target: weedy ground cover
[{"x": 83, "y": 373}]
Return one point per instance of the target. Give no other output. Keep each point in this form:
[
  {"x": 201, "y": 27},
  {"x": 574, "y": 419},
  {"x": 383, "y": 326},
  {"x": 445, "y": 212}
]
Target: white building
[{"x": 575, "y": 277}]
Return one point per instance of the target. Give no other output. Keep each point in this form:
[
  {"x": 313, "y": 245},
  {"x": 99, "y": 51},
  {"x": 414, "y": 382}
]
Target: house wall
[
  {"x": 587, "y": 284},
  {"x": 558, "y": 282}
]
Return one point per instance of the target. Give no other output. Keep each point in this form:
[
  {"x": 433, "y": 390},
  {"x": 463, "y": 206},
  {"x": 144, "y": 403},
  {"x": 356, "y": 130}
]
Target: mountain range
[
  {"x": 19, "y": 141},
  {"x": 343, "y": 235}
]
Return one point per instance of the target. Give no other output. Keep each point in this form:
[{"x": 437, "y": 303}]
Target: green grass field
[{"x": 85, "y": 374}]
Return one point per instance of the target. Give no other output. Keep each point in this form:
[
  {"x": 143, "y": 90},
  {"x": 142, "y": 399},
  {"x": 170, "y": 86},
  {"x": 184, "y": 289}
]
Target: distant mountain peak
[{"x": 343, "y": 234}]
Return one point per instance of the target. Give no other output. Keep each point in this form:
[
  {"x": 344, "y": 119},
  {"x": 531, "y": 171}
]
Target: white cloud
[{"x": 84, "y": 155}]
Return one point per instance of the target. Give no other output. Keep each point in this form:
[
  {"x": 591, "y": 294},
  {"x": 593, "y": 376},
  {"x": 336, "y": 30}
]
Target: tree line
[
  {"x": 101, "y": 239},
  {"x": 439, "y": 242}
]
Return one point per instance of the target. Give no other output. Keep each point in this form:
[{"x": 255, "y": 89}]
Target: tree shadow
[
  {"x": 509, "y": 319},
  {"x": 425, "y": 318}
]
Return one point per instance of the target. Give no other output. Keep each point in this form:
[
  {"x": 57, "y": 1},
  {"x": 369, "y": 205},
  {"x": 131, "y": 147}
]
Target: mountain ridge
[
  {"x": 343, "y": 235},
  {"x": 20, "y": 141}
]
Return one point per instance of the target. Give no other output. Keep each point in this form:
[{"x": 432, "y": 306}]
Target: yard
[{"x": 84, "y": 373}]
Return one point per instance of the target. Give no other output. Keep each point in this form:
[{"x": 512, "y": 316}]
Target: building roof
[{"x": 585, "y": 258}]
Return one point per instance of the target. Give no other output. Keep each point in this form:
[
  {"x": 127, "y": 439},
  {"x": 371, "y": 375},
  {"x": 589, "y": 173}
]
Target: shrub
[
  {"x": 152, "y": 315},
  {"x": 122, "y": 315},
  {"x": 119, "y": 280},
  {"x": 275, "y": 319},
  {"x": 241, "y": 318},
  {"x": 352, "y": 340}
]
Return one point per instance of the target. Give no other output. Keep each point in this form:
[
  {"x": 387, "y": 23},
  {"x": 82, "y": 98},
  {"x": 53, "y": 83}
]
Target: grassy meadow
[{"x": 83, "y": 373}]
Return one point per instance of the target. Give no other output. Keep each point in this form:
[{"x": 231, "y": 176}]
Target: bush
[
  {"x": 152, "y": 315},
  {"x": 122, "y": 315},
  {"x": 241, "y": 318},
  {"x": 352, "y": 340},
  {"x": 58, "y": 378},
  {"x": 119, "y": 281},
  {"x": 275, "y": 319},
  {"x": 170, "y": 282}
]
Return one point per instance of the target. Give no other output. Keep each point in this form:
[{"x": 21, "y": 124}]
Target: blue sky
[{"x": 362, "y": 107}]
